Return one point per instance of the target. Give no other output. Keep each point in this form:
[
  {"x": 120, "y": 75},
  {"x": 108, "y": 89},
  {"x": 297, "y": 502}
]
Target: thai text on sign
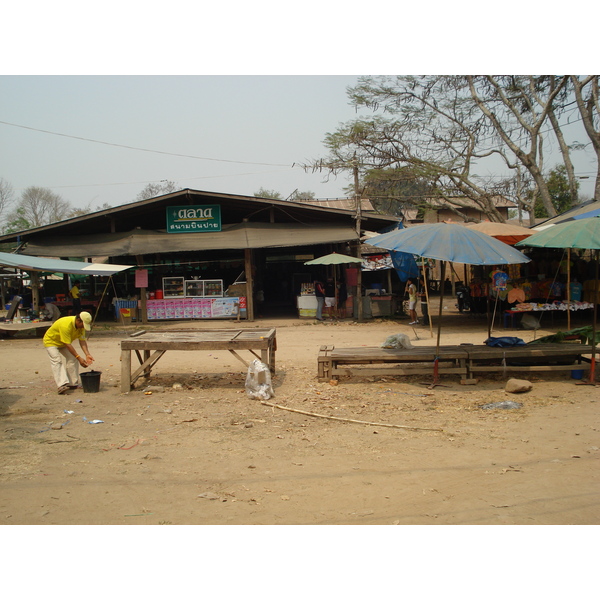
[{"x": 187, "y": 219}]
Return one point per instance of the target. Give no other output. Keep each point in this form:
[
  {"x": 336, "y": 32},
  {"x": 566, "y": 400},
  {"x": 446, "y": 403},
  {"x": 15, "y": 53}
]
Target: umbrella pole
[
  {"x": 439, "y": 331},
  {"x": 427, "y": 298},
  {"x": 568, "y": 289},
  {"x": 494, "y": 313},
  {"x": 487, "y": 312},
  {"x": 594, "y": 324}
]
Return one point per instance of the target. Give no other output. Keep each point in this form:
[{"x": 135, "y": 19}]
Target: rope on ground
[{"x": 311, "y": 414}]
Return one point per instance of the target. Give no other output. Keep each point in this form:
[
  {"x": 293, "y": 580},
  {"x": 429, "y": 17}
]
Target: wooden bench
[
  {"x": 464, "y": 360},
  {"x": 534, "y": 357},
  {"x": 333, "y": 362}
]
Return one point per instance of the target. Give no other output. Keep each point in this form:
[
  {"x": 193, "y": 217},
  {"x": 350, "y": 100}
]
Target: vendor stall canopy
[
  {"x": 239, "y": 236},
  {"x": 52, "y": 265}
]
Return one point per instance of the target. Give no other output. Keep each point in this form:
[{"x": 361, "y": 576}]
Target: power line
[{"x": 75, "y": 137}]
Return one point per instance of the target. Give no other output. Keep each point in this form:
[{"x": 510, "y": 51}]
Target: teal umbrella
[
  {"x": 334, "y": 259},
  {"x": 582, "y": 233}
]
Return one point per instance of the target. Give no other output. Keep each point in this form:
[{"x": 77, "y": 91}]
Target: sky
[
  {"x": 97, "y": 140},
  {"x": 233, "y": 134}
]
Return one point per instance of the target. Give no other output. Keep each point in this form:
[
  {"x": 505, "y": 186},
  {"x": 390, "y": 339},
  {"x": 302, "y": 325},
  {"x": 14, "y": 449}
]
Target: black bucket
[{"x": 90, "y": 381}]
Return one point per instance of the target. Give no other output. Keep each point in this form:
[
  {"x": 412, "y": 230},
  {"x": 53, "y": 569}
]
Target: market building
[{"x": 201, "y": 254}]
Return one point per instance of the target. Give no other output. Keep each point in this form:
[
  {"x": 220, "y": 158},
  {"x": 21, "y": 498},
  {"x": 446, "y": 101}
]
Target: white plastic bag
[
  {"x": 396, "y": 341},
  {"x": 258, "y": 381}
]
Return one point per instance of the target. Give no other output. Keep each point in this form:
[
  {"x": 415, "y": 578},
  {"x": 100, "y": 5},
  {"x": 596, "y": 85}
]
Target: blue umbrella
[{"x": 449, "y": 242}]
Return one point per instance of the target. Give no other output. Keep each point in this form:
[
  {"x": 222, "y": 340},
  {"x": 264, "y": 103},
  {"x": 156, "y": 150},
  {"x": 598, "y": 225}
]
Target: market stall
[{"x": 196, "y": 298}]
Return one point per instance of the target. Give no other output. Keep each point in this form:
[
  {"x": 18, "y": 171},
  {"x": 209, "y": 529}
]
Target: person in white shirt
[{"x": 49, "y": 312}]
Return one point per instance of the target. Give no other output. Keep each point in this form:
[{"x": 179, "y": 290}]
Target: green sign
[{"x": 188, "y": 219}]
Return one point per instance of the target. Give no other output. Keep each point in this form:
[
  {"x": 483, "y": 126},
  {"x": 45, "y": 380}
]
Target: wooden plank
[
  {"x": 239, "y": 357},
  {"x": 524, "y": 368},
  {"x": 146, "y": 366},
  {"x": 395, "y": 370}
]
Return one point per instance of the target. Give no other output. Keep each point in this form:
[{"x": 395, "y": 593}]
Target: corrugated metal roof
[{"x": 341, "y": 203}]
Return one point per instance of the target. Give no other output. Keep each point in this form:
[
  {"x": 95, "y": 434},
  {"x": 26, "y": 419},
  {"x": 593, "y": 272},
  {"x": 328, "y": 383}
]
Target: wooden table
[
  {"x": 10, "y": 329},
  {"x": 232, "y": 340}
]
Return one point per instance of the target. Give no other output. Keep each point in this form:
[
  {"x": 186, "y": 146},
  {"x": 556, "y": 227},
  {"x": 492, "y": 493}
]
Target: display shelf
[
  {"x": 194, "y": 288},
  {"x": 173, "y": 287},
  {"x": 213, "y": 288}
]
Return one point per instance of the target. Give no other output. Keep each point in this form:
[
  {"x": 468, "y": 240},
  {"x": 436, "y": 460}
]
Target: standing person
[
  {"x": 64, "y": 359},
  {"x": 49, "y": 311},
  {"x": 423, "y": 295},
  {"x": 76, "y": 297},
  {"x": 330, "y": 297},
  {"x": 411, "y": 289},
  {"x": 320, "y": 295}
]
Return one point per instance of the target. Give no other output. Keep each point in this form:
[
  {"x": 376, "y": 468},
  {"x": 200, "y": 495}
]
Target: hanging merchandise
[
  {"x": 499, "y": 280},
  {"x": 405, "y": 265}
]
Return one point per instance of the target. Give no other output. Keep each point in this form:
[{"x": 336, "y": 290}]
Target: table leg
[{"x": 125, "y": 371}]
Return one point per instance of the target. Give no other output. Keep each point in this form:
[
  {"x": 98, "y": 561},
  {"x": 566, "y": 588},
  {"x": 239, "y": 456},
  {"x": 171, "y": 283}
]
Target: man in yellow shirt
[
  {"x": 64, "y": 359},
  {"x": 76, "y": 297}
]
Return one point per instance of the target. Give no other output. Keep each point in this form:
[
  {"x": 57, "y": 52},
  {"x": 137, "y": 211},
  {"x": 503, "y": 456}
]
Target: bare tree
[
  {"x": 6, "y": 196},
  {"x": 517, "y": 107},
  {"x": 586, "y": 95},
  {"x": 458, "y": 133},
  {"x": 428, "y": 126},
  {"x": 40, "y": 206},
  {"x": 157, "y": 189}
]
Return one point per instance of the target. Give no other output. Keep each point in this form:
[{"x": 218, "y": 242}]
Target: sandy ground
[{"x": 202, "y": 452}]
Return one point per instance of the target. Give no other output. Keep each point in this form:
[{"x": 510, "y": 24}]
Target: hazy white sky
[
  {"x": 252, "y": 128},
  {"x": 236, "y": 134}
]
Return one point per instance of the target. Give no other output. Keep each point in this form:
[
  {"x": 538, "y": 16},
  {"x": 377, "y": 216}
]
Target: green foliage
[
  {"x": 391, "y": 191},
  {"x": 263, "y": 193},
  {"x": 16, "y": 222},
  {"x": 558, "y": 186},
  {"x": 297, "y": 196}
]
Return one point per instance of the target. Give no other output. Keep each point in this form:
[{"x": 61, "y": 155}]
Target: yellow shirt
[
  {"x": 63, "y": 332},
  {"x": 74, "y": 292}
]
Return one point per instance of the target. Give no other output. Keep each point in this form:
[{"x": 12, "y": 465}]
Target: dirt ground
[{"x": 202, "y": 452}]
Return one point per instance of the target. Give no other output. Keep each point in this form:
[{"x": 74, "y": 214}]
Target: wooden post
[
  {"x": 143, "y": 308},
  {"x": 358, "y": 216},
  {"x": 249, "y": 284},
  {"x": 35, "y": 291},
  {"x": 125, "y": 371},
  {"x": 3, "y": 292},
  {"x": 143, "y": 294}
]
